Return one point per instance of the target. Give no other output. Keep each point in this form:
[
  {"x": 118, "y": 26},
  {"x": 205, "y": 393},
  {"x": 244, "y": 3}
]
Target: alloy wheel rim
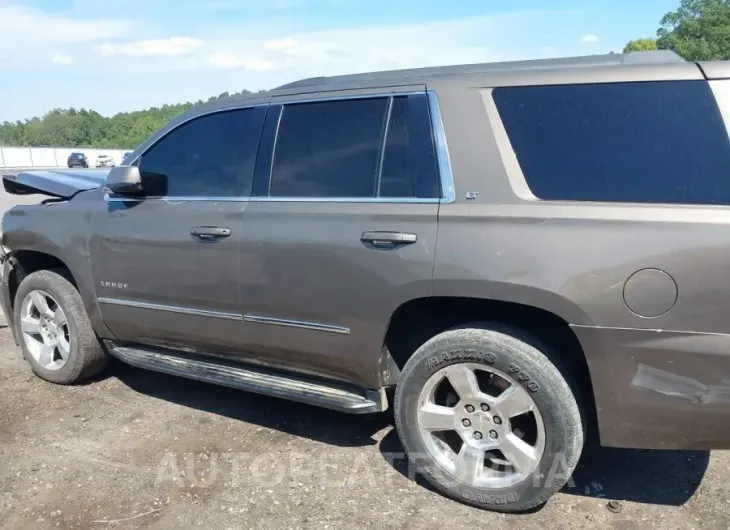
[
  {"x": 480, "y": 425},
  {"x": 45, "y": 330}
]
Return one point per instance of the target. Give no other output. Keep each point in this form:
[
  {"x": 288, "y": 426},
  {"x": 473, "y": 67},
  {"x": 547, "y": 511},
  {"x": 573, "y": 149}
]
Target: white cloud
[
  {"x": 59, "y": 58},
  {"x": 589, "y": 39},
  {"x": 372, "y": 48},
  {"x": 258, "y": 64},
  {"x": 171, "y": 47},
  {"x": 178, "y": 7},
  {"x": 227, "y": 60},
  {"x": 224, "y": 60},
  {"x": 281, "y": 44},
  {"x": 29, "y": 34}
]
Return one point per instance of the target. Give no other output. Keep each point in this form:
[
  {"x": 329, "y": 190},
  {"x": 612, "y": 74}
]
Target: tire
[
  {"x": 84, "y": 355},
  {"x": 512, "y": 358}
]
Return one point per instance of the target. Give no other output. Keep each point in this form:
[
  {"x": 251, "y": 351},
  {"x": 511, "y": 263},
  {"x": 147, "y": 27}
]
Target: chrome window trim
[
  {"x": 391, "y": 200},
  {"x": 170, "y": 308},
  {"x": 404, "y": 200},
  {"x": 446, "y": 176},
  {"x": 109, "y": 198},
  {"x": 258, "y": 319}
]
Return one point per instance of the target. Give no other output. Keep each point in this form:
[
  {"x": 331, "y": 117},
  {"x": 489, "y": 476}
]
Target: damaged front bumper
[{"x": 7, "y": 262}]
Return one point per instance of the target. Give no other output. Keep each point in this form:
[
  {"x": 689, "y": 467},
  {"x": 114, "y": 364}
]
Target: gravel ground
[{"x": 137, "y": 449}]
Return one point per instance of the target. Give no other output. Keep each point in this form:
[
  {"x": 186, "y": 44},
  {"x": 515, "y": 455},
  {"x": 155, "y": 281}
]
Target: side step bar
[{"x": 252, "y": 378}]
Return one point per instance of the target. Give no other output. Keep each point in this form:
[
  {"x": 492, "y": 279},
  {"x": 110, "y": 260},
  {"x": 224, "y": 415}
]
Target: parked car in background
[
  {"x": 104, "y": 161},
  {"x": 77, "y": 160},
  {"x": 566, "y": 279}
]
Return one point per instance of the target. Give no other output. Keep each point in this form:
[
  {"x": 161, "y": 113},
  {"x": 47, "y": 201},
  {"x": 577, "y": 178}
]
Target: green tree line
[
  {"x": 87, "y": 128},
  {"x": 699, "y": 30}
]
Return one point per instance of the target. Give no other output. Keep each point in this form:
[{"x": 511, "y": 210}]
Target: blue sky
[{"x": 120, "y": 55}]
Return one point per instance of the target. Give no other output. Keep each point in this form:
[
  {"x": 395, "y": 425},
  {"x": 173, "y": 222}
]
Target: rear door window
[
  {"x": 329, "y": 149},
  {"x": 648, "y": 142},
  {"x": 355, "y": 148}
]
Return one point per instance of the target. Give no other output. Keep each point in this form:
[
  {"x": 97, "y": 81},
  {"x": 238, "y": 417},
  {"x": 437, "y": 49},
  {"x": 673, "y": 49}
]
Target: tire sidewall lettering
[{"x": 454, "y": 356}]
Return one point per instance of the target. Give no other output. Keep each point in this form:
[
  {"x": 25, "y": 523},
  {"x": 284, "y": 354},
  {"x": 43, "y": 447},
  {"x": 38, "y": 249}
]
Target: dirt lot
[{"x": 137, "y": 449}]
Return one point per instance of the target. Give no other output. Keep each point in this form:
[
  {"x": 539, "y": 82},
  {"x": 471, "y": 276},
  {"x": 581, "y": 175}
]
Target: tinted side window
[
  {"x": 409, "y": 162},
  {"x": 651, "y": 142},
  {"x": 328, "y": 149},
  {"x": 211, "y": 156}
]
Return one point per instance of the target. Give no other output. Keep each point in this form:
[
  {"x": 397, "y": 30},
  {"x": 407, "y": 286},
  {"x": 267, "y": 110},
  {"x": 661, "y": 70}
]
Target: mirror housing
[{"x": 124, "y": 179}]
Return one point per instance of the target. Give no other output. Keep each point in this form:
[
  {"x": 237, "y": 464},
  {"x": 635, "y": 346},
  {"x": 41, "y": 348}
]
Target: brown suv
[{"x": 525, "y": 253}]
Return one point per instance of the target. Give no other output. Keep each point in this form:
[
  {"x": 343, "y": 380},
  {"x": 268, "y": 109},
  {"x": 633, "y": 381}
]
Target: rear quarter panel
[{"x": 661, "y": 382}]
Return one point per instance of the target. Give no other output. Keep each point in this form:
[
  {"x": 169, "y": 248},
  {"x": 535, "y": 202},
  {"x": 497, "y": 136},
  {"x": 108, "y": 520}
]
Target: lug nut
[
  {"x": 466, "y": 423},
  {"x": 493, "y": 435},
  {"x": 477, "y": 435},
  {"x": 485, "y": 407},
  {"x": 469, "y": 408},
  {"x": 497, "y": 420}
]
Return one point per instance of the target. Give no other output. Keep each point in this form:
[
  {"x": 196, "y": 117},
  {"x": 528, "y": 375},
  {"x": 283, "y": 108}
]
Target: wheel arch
[
  {"x": 42, "y": 254},
  {"x": 26, "y": 262},
  {"x": 417, "y": 320}
]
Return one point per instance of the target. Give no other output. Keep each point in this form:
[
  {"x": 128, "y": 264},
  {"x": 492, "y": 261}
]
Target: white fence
[{"x": 52, "y": 156}]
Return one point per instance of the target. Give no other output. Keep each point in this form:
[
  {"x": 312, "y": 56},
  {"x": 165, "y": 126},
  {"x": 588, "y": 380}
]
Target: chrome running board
[{"x": 251, "y": 378}]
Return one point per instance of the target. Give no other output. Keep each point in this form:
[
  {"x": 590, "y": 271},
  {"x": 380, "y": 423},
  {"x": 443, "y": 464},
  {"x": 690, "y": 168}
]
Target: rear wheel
[
  {"x": 488, "y": 419},
  {"x": 54, "y": 331}
]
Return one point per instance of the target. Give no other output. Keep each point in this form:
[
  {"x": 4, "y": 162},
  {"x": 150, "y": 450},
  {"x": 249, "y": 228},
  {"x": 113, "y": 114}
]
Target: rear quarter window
[{"x": 649, "y": 142}]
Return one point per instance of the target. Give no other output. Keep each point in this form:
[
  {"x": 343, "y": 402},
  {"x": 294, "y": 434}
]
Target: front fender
[{"x": 61, "y": 231}]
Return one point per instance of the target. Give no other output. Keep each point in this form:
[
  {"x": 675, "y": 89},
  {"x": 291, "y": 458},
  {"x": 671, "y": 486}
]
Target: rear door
[
  {"x": 340, "y": 230},
  {"x": 165, "y": 263}
]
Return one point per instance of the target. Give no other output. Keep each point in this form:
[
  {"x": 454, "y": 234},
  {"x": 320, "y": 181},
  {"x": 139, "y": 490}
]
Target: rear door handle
[
  {"x": 209, "y": 233},
  {"x": 388, "y": 239}
]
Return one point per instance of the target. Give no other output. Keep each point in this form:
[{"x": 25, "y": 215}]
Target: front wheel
[
  {"x": 54, "y": 331},
  {"x": 488, "y": 419}
]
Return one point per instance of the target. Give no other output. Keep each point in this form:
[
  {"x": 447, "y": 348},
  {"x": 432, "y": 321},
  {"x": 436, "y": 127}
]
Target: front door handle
[
  {"x": 388, "y": 239},
  {"x": 209, "y": 233}
]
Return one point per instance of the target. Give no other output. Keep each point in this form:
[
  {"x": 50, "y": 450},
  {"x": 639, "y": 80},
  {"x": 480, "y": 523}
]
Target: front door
[
  {"x": 340, "y": 232},
  {"x": 165, "y": 263}
]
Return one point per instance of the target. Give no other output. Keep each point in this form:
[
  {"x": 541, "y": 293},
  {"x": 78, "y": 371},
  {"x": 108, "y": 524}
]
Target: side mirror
[{"x": 124, "y": 179}]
